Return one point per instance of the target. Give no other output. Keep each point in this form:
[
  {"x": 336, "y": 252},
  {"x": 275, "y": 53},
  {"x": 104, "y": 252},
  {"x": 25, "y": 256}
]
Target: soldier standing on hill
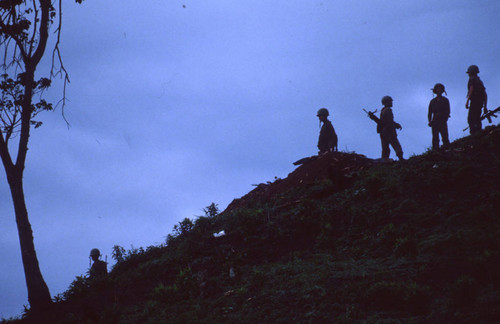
[
  {"x": 476, "y": 99},
  {"x": 386, "y": 127},
  {"x": 99, "y": 268},
  {"x": 439, "y": 112},
  {"x": 327, "y": 137}
]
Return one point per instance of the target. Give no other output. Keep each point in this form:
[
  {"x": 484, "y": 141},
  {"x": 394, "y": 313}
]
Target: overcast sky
[{"x": 177, "y": 104}]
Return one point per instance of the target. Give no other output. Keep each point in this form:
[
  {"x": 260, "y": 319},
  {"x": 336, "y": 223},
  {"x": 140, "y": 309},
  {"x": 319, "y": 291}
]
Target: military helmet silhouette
[
  {"x": 95, "y": 252},
  {"x": 323, "y": 112},
  {"x": 473, "y": 69},
  {"x": 386, "y": 100},
  {"x": 438, "y": 87}
]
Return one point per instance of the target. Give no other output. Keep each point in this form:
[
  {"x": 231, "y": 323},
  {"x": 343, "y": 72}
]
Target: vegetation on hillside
[{"x": 410, "y": 242}]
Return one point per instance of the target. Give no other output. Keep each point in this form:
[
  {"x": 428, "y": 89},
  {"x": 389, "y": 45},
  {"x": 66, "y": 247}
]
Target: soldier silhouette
[
  {"x": 99, "y": 268},
  {"x": 386, "y": 127},
  {"x": 439, "y": 112},
  {"x": 476, "y": 99},
  {"x": 328, "y": 139}
]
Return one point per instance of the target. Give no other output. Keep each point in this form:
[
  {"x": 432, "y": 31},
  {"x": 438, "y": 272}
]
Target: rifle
[
  {"x": 490, "y": 113},
  {"x": 371, "y": 115},
  {"x": 487, "y": 115}
]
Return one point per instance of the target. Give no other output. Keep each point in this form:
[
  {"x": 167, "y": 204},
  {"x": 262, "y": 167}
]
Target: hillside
[{"x": 342, "y": 239}]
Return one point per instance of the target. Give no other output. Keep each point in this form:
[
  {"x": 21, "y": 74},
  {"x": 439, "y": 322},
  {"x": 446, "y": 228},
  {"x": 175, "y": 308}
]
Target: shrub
[{"x": 118, "y": 254}]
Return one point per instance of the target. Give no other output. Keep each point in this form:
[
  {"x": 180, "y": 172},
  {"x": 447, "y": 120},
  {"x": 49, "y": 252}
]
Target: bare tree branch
[
  {"x": 62, "y": 70},
  {"x": 35, "y": 19}
]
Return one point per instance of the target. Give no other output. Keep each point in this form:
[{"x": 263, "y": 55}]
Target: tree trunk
[
  {"x": 38, "y": 292},
  {"x": 31, "y": 51}
]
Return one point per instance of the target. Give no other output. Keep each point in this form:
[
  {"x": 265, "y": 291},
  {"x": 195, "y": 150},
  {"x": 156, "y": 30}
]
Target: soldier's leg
[
  {"x": 474, "y": 118},
  {"x": 444, "y": 134},
  {"x": 469, "y": 121},
  {"x": 397, "y": 148},
  {"x": 477, "y": 119},
  {"x": 385, "y": 147},
  {"x": 435, "y": 137},
  {"x": 479, "y": 122}
]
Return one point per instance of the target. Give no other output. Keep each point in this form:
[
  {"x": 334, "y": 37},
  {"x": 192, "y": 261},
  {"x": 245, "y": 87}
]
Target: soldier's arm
[
  {"x": 335, "y": 140},
  {"x": 373, "y": 117},
  {"x": 485, "y": 102},
  {"x": 471, "y": 88},
  {"x": 429, "y": 114}
]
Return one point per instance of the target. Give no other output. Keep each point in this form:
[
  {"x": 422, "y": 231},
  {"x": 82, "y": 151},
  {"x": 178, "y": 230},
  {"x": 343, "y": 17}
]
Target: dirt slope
[{"x": 339, "y": 167}]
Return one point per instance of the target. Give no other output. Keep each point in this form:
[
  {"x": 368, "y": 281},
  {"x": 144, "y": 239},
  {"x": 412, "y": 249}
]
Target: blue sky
[{"x": 174, "y": 105}]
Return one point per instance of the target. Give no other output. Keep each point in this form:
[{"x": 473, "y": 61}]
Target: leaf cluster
[
  {"x": 23, "y": 35},
  {"x": 12, "y": 99}
]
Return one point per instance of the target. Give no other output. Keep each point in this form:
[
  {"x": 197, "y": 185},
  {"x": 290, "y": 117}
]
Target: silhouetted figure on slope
[
  {"x": 476, "y": 99},
  {"x": 99, "y": 268},
  {"x": 386, "y": 127},
  {"x": 328, "y": 139},
  {"x": 439, "y": 112}
]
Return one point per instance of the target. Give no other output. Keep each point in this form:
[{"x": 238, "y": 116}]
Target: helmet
[
  {"x": 438, "y": 87},
  {"x": 95, "y": 252},
  {"x": 473, "y": 69},
  {"x": 386, "y": 100},
  {"x": 323, "y": 112}
]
